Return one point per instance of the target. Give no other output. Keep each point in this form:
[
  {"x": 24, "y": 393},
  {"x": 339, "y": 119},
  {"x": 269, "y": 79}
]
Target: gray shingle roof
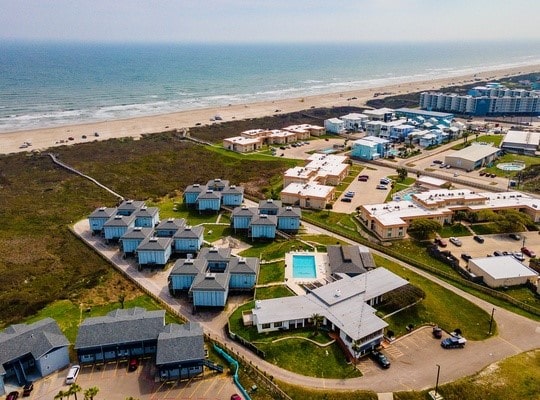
[
  {"x": 215, "y": 254},
  {"x": 209, "y": 194},
  {"x": 349, "y": 259},
  {"x": 103, "y": 212},
  {"x": 171, "y": 223},
  {"x": 244, "y": 211},
  {"x": 180, "y": 343},
  {"x": 195, "y": 188},
  {"x": 155, "y": 243},
  {"x": 244, "y": 265},
  {"x": 147, "y": 212},
  {"x": 217, "y": 184},
  {"x": 189, "y": 232},
  {"x": 218, "y": 281},
  {"x": 263, "y": 219},
  {"x": 289, "y": 212},
  {"x": 130, "y": 205},
  {"x": 270, "y": 204},
  {"x": 37, "y": 339},
  {"x": 188, "y": 267},
  {"x": 120, "y": 326},
  {"x": 137, "y": 233},
  {"x": 233, "y": 190},
  {"x": 120, "y": 220}
]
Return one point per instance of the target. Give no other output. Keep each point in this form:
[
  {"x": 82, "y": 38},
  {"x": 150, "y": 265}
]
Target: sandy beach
[{"x": 41, "y": 139}]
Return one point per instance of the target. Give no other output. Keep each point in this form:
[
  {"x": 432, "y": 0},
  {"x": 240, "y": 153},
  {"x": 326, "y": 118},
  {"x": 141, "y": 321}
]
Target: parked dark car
[
  {"x": 380, "y": 359},
  {"x": 133, "y": 364},
  {"x": 363, "y": 178},
  {"x": 346, "y": 199},
  {"x": 528, "y": 252},
  {"x": 453, "y": 342},
  {"x": 27, "y": 389},
  {"x": 514, "y": 236},
  {"x": 498, "y": 253},
  {"x": 441, "y": 242},
  {"x": 437, "y": 332},
  {"x": 12, "y": 396},
  {"x": 466, "y": 256},
  {"x": 479, "y": 239}
]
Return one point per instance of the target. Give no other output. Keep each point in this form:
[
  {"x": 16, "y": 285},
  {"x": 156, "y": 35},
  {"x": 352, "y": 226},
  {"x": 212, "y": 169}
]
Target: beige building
[
  {"x": 242, "y": 144},
  {"x": 391, "y": 220},
  {"x": 472, "y": 157},
  {"x": 309, "y": 195},
  {"x": 501, "y": 271}
]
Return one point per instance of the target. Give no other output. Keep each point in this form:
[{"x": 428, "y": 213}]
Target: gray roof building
[
  {"x": 244, "y": 265},
  {"x": 129, "y": 206},
  {"x": 209, "y": 194},
  {"x": 264, "y": 219},
  {"x": 217, "y": 184},
  {"x": 189, "y": 266},
  {"x": 171, "y": 224},
  {"x": 37, "y": 339},
  {"x": 211, "y": 282},
  {"x": 244, "y": 211},
  {"x": 103, "y": 212},
  {"x": 180, "y": 343},
  {"x": 289, "y": 212},
  {"x": 149, "y": 212},
  {"x": 155, "y": 243},
  {"x": 120, "y": 326},
  {"x": 349, "y": 259},
  {"x": 189, "y": 232},
  {"x": 215, "y": 254},
  {"x": 137, "y": 232},
  {"x": 270, "y": 204},
  {"x": 233, "y": 189},
  {"x": 195, "y": 188},
  {"x": 120, "y": 221}
]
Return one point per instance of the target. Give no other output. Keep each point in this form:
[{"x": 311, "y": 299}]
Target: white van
[{"x": 72, "y": 374}]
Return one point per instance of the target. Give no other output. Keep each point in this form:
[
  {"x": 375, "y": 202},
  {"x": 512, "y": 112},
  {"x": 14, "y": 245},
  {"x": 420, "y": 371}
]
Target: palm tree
[
  {"x": 73, "y": 390},
  {"x": 90, "y": 393},
  {"x": 357, "y": 344},
  {"x": 60, "y": 395},
  {"x": 465, "y": 135},
  {"x": 317, "y": 321}
]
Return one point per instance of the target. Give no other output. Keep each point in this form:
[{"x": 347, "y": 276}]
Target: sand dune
[{"x": 49, "y": 137}]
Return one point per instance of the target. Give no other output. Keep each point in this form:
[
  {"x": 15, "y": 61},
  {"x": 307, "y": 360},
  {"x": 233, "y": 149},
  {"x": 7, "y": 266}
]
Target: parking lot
[{"x": 116, "y": 383}]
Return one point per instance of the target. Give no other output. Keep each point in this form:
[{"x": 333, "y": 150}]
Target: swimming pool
[
  {"x": 304, "y": 266},
  {"x": 511, "y": 166},
  {"x": 330, "y": 150}
]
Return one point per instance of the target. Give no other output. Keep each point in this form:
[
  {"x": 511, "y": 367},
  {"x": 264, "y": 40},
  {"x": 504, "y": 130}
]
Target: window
[
  {"x": 278, "y": 324},
  {"x": 265, "y": 326}
]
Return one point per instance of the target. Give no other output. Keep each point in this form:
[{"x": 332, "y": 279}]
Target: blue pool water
[
  {"x": 407, "y": 196},
  {"x": 328, "y": 151},
  {"x": 304, "y": 266}
]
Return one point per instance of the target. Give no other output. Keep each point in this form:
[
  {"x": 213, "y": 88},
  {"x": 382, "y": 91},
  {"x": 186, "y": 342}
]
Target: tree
[
  {"x": 402, "y": 173},
  {"x": 356, "y": 347},
  {"x": 121, "y": 299},
  {"x": 90, "y": 393},
  {"x": 317, "y": 322},
  {"x": 60, "y": 395},
  {"x": 423, "y": 227},
  {"x": 73, "y": 390},
  {"x": 465, "y": 136}
]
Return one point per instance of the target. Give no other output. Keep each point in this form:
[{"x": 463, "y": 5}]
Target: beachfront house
[
  {"x": 373, "y": 128},
  {"x": 242, "y": 144},
  {"x": 154, "y": 252},
  {"x": 399, "y": 133},
  {"x": 334, "y": 125},
  {"x": 263, "y": 226},
  {"x": 380, "y": 114},
  {"x": 30, "y": 351},
  {"x": 232, "y": 196},
  {"x": 370, "y": 148},
  {"x": 191, "y": 194},
  {"x": 98, "y": 218},
  {"x": 241, "y": 217},
  {"x": 288, "y": 219},
  {"x": 180, "y": 351},
  {"x": 147, "y": 217},
  {"x": 309, "y": 195},
  {"x": 346, "y": 305},
  {"x": 117, "y": 226},
  {"x": 209, "y": 201},
  {"x": 169, "y": 227},
  {"x": 128, "y": 207},
  {"x": 420, "y": 116},
  {"x": 433, "y": 138},
  {"x": 217, "y": 185},
  {"x": 208, "y": 278},
  {"x": 354, "y": 122},
  {"x": 133, "y": 238},
  {"x": 188, "y": 239},
  {"x": 269, "y": 206}
]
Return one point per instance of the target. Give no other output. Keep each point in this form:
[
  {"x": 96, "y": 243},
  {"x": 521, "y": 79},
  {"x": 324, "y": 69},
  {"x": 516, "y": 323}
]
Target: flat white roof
[
  {"x": 375, "y": 139},
  {"x": 475, "y": 152},
  {"x": 503, "y": 267},
  {"x": 379, "y": 111},
  {"x": 242, "y": 140},
  {"x": 298, "y": 172},
  {"x": 393, "y": 212},
  {"x": 308, "y": 190},
  {"x": 522, "y": 137},
  {"x": 428, "y": 180},
  {"x": 335, "y": 120},
  {"x": 281, "y": 133},
  {"x": 354, "y": 116}
]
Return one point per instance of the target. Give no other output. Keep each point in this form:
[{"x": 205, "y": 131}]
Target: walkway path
[{"x": 516, "y": 333}]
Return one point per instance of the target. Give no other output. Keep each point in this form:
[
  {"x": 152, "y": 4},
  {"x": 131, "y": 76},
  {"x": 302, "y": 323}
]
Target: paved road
[{"x": 414, "y": 370}]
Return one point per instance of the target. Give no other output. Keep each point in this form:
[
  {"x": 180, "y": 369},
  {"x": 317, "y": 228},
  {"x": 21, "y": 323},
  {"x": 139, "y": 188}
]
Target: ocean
[{"x": 54, "y": 84}]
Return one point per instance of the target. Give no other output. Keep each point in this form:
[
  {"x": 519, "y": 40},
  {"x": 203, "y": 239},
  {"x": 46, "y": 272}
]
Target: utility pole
[{"x": 491, "y": 321}]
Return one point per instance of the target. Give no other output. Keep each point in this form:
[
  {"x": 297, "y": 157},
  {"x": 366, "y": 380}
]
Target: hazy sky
[{"x": 269, "y": 20}]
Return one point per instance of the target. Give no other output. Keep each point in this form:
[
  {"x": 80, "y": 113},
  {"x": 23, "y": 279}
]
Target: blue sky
[{"x": 268, "y": 20}]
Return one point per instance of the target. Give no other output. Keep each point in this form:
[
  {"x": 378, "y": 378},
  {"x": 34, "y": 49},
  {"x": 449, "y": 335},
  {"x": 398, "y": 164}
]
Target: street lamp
[
  {"x": 491, "y": 321},
  {"x": 437, "y": 382}
]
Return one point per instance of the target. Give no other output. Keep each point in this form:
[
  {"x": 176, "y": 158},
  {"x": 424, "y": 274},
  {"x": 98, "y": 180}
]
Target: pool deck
[{"x": 321, "y": 269}]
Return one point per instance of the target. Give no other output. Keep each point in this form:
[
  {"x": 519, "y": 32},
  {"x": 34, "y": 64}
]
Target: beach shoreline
[{"x": 43, "y": 138}]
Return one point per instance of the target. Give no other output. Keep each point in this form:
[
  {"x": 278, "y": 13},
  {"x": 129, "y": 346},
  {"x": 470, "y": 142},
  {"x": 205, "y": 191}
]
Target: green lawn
[
  {"x": 213, "y": 232},
  {"x": 485, "y": 228},
  {"x": 456, "y": 229},
  {"x": 273, "y": 272},
  {"x": 272, "y": 292},
  {"x": 441, "y": 306},
  {"x": 272, "y": 250},
  {"x": 69, "y": 315},
  {"x": 175, "y": 208},
  {"x": 417, "y": 250}
]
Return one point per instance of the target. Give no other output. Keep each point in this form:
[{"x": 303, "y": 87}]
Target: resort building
[
  {"x": 128, "y": 207},
  {"x": 503, "y": 271},
  {"x": 521, "y": 142},
  {"x": 212, "y": 196},
  {"x": 345, "y": 304},
  {"x": 136, "y": 332},
  {"x": 492, "y": 99},
  {"x": 421, "y": 116},
  {"x": 472, "y": 157},
  {"x": 98, "y": 218},
  {"x": 265, "y": 221},
  {"x": 117, "y": 226},
  {"x": 30, "y": 351},
  {"x": 314, "y": 130},
  {"x": 133, "y": 237},
  {"x": 188, "y": 240},
  {"x": 309, "y": 195},
  {"x": 370, "y": 148},
  {"x": 147, "y": 217},
  {"x": 169, "y": 227},
  {"x": 391, "y": 220},
  {"x": 208, "y": 278},
  {"x": 334, "y": 125},
  {"x": 351, "y": 260},
  {"x": 380, "y": 114},
  {"x": 154, "y": 252}
]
